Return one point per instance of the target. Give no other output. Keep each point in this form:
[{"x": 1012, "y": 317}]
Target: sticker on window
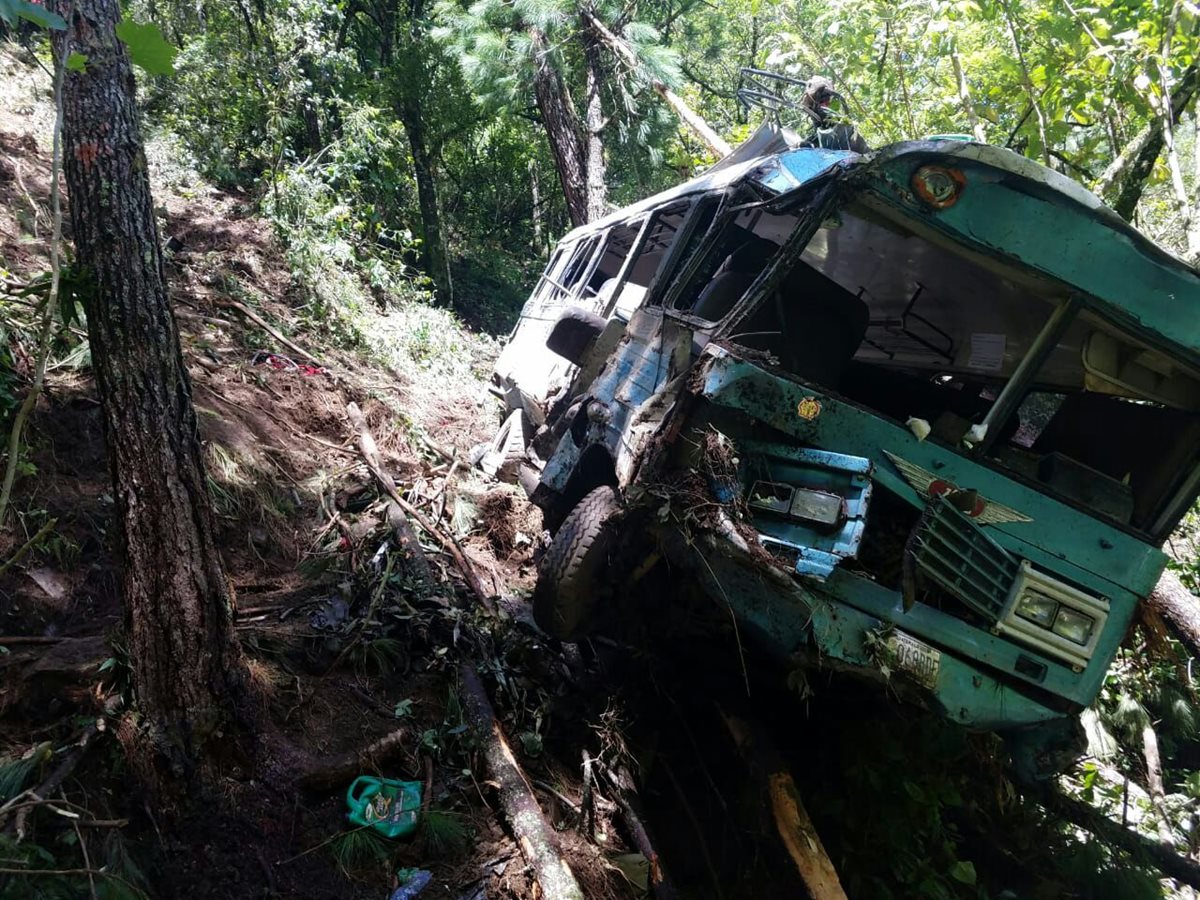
[{"x": 987, "y": 352}]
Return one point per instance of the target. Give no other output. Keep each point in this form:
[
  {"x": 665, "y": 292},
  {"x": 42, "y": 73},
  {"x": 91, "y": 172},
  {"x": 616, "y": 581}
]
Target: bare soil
[{"x": 299, "y": 523}]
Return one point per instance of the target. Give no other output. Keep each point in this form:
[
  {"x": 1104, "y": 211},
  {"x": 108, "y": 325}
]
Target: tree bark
[
  {"x": 1179, "y": 607},
  {"x": 187, "y": 668},
  {"x": 597, "y": 192},
  {"x": 563, "y": 128},
  {"x": 1122, "y": 183},
  {"x": 534, "y": 836}
]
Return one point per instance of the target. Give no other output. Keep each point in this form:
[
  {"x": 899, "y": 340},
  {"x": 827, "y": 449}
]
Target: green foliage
[
  {"x": 361, "y": 851},
  {"x": 147, "y": 47},
  {"x": 11, "y": 10},
  {"x": 443, "y": 833},
  {"x": 17, "y": 771},
  {"x": 118, "y": 879}
]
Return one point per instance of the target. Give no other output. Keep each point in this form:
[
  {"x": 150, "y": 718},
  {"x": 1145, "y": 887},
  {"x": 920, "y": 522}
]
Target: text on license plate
[{"x": 916, "y": 658}]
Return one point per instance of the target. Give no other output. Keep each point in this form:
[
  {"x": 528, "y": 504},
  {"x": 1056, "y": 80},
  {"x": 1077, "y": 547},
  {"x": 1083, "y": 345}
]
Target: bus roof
[{"x": 1020, "y": 210}]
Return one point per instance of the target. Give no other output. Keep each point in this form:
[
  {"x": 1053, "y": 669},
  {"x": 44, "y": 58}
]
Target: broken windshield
[{"x": 900, "y": 319}]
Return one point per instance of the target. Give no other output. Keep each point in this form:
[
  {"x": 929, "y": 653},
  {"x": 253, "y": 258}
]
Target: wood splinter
[{"x": 534, "y": 835}]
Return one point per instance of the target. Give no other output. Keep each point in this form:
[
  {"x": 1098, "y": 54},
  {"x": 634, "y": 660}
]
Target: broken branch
[
  {"x": 534, "y": 835},
  {"x": 370, "y": 454},
  {"x": 261, "y": 323},
  {"x": 626, "y": 797}
]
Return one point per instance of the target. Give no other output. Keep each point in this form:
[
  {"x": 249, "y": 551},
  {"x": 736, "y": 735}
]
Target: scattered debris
[
  {"x": 286, "y": 364},
  {"x": 412, "y": 882}
]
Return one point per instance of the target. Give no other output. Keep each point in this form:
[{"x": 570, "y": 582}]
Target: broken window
[
  {"x": 1109, "y": 423},
  {"x": 904, "y": 321},
  {"x": 640, "y": 252}
]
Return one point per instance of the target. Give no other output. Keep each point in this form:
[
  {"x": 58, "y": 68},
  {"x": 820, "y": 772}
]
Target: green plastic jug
[{"x": 389, "y": 806}]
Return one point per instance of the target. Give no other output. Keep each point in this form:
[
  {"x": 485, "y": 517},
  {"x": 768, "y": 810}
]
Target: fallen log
[
  {"x": 370, "y": 454},
  {"x": 1179, "y": 607},
  {"x": 415, "y": 562},
  {"x": 795, "y": 828},
  {"x": 534, "y": 835},
  {"x": 334, "y": 771}
]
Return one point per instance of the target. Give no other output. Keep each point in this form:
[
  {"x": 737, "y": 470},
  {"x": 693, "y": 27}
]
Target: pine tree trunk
[
  {"x": 562, "y": 128},
  {"x": 597, "y": 193},
  {"x": 178, "y": 603}
]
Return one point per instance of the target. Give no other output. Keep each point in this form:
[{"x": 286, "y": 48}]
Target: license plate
[{"x": 916, "y": 658}]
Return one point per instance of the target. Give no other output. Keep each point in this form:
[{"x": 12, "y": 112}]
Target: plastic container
[{"x": 390, "y": 807}]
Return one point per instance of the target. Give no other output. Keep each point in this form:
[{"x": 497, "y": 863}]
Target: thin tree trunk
[
  {"x": 414, "y": 79},
  {"x": 597, "y": 200},
  {"x": 563, "y": 129},
  {"x": 1122, "y": 183},
  {"x": 1154, "y": 783},
  {"x": 964, "y": 96},
  {"x": 689, "y": 117},
  {"x": 1029, "y": 88},
  {"x": 433, "y": 246},
  {"x": 537, "y": 212},
  {"x": 908, "y": 113},
  {"x": 187, "y": 668}
]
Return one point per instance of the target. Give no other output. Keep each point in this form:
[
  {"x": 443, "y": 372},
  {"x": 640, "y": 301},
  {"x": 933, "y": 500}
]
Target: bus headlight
[
  {"x": 1074, "y": 626},
  {"x": 1053, "y": 617},
  {"x": 1037, "y": 608}
]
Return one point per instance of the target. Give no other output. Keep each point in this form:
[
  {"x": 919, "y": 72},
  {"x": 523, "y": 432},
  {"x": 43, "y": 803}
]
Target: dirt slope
[{"x": 300, "y": 523}]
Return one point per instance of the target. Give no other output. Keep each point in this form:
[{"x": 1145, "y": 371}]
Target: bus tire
[{"x": 571, "y": 576}]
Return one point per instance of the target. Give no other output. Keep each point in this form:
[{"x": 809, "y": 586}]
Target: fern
[
  {"x": 15, "y": 772},
  {"x": 382, "y": 655}
]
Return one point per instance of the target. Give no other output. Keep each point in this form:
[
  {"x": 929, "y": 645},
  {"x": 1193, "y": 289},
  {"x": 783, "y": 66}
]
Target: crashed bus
[{"x": 937, "y": 404}]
